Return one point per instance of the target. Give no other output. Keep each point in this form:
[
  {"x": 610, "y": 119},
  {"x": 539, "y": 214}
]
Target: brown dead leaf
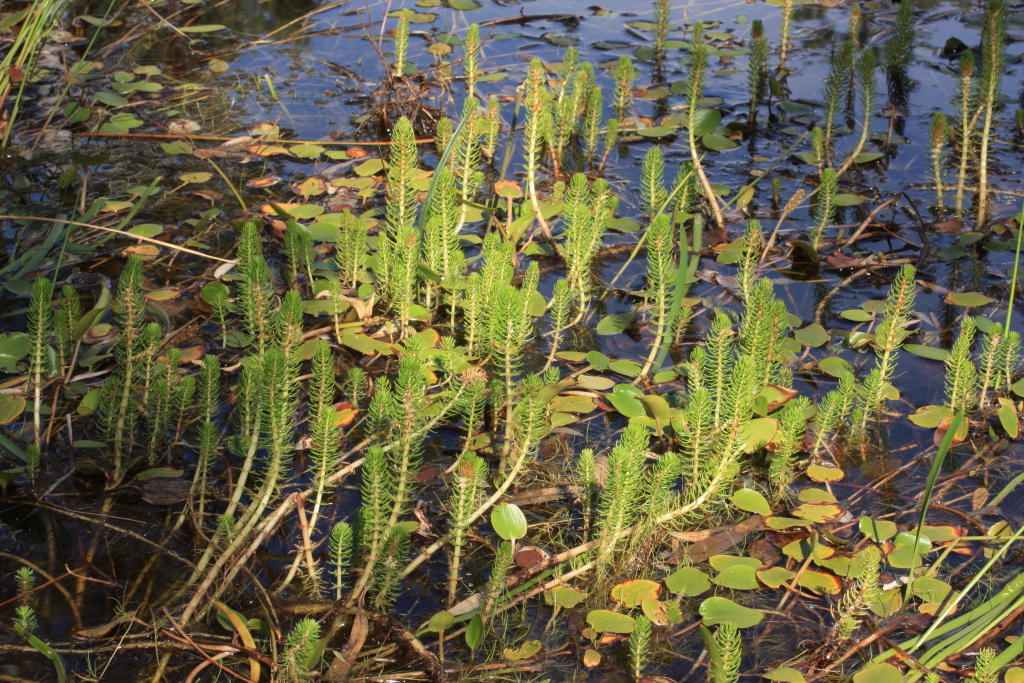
[
  {"x": 719, "y": 541},
  {"x": 950, "y": 226},
  {"x": 843, "y": 261},
  {"x": 164, "y": 490},
  {"x": 344, "y": 660}
]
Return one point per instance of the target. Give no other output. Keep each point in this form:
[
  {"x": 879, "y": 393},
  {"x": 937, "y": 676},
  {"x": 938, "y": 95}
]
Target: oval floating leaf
[
  {"x": 751, "y": 501},
  {"x": 722, "y": 610},
  {"x": 603, "y": 621},
  {"x": 508, "y": 521}
]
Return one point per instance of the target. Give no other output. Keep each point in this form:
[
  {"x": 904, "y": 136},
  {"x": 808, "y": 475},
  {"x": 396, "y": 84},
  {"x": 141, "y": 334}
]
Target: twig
[
  {"x": 119, "y": 232},
  {"x": 867, "y": 221},
  {"x": 200, "y": 651}
]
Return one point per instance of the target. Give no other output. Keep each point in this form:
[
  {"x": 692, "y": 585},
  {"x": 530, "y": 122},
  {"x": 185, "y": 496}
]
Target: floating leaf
[
  {"x": 631, "y": 593},
  {"x": 849, "y": 199},
  {"x": 738, "y": 577},
  {"x": 11, "y": 407},
  {"x": 969, "y": 299},
  {"x": 474, "y": 632},
  {"x": 867, "y": 157},
  {"x": 929, "y": 352},
  {"x": 508, "y": 521},
  {"x": 688, "y": 581},
  {"x": 718, "y": 142},
  {"x": 820, "y": 582},
  {"x": 603, "y": 621},
  {"x": 751, "y": 501},
  {"x": 441, "y": 621},
  {"x": 591, "y": 658},
  {"x": 785, "y": 674},
  {"x": 775, "y": 577},
  {"x": 524, "y": 651},
  {"x": 878, "y": 530},
  {"x": 658, "y": 132},
  {"x": 816, "y": 496},
  {"x": 879, "y": 673},
  {"x": 706, "y": 121},
  {"x": 821, "y": 473},
  {"x": 781, "y": 523},
  {"x": 660, "y": 612},
  {"x": 722, "y": 610},
  {"x": 615, "y": 323},
  {"x": 627, "y": 405},
  {"x": 812, "y": 335},
  {"x": 202, "y": 28},
  {"x": 758, "y": 433},
  {"x": 564, "y": 597},
  {"x": 820, "y": 513},
  {"x": 931, "y": 416},
  {"x": 834, "y": 366},
  {"x": 628, "y": 368}
]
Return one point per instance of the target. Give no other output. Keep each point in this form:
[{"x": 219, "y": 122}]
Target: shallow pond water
[{"x": 311, "y": 71}]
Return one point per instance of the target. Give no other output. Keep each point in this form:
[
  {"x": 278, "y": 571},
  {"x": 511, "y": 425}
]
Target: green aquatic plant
[
  {"x": 938, "y": 136},
  {"x": 661, "y": 271},
  {"x": 695, "y": 93},
  {"x": 652, "y": 181},
  {"x": 990, "y": 84},
  {"x": 624, "y": 75},
  {"x": 961, "y": 375},
  {"x": 784, "y": 29},
  {"x": 966, "y": 99},
  {"x": 900, "y": 51},
  {"x": 298, "y": 648},
  {"x": 398, "y": 249},
  {"x": 256, "y": 295},
  {"x": 39, "y": 329},
  {"x": 826, "y": 206},
  {"x": 640, "y": 646},
  {"x": 662, "y": 21},
  {"x": 471, "y": 62},
  {"x": 757, "y": 68},
  {"x": 401, "y": 44},
  {"x": 725, "y": 652},
  {"x": 620, "y": 501},
  {"x": 853, "y": 606},
  {"x": 469, "y": 477},
  {"x": 837, "y": 84},
  {"x": 866, "y": 83}
]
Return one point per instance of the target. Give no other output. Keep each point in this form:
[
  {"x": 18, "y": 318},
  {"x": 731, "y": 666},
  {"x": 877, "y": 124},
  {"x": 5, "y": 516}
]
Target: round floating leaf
[
  {"x": 723, "y": 562},
  {"x": 969, "y": 299},
  {"x": 877, "y": 530},
  {"x": 615, "y": 323},
  {"x": 835, "y": 367},
  {"x": 849, "y": 199},
  {"x": 1014, "y": 674},
  {"x": 931, "y": 590},
  {"x": 757, "y": 433},
  {"x": 564, "y": 597},
  {"x": 688, "y": 581},
  {"x": 659, "y": 132},
  {"x": 780, "y": 523},
  {"x": 812, "y": 335},
  {"x": 751, "y": 501},
  {"x": 857, "y": 315},
  {"x": 632, "y": 593},
  {"x": 706, "y": 121},
  {"x": 867, "y": 157},
  {"x": 820, "y": 582},
  {"x": 661, "y": 613},
  {"x": 931, "y": 416},
  {"x": 508, "y": 521},
  {"x": 215, "y": 293},
  {"x": 591, "y": 658},
  {"x": 821, "y": 513},
  {"x": 718, "y": 142},
  {"x": 524, "y": 651},
  {"x": 603, "y": 621},
  {"x": 198, "y": 177},
  {"x": 796, "y": 108},
  {"x": 879, "y": 673},
  {"x": 628, "y": 368},
  {"x": 816, "y": 496},
  {"x": 627, "y": 405},
  {"x": 738, "y": 577},
  {"x": 821, "y": 473},
  {"x": 775, "y": 577},
  {"x": 929, "y": 352},
  {"x": 785, "y": 674},
  {"x": 11, "y": 406},
  {"x": 722, "y": 610}
]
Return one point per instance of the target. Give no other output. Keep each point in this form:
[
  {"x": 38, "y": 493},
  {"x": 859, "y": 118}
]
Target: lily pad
[
  {"x": 751, "y": 501},
  {"x": 688, "y": 581},
  {"x": 722, "y": 610},
  {"x": 604, "y": 621}
]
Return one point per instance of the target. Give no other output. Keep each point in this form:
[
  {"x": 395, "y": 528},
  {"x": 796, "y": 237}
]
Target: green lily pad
[
  {"x": 688, "y": 581},
  {"x": 722, "y": 610}
]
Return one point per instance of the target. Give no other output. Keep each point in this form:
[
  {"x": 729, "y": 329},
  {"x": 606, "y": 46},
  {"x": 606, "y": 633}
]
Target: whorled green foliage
[
  {"x": 889, "y": 337},
  {"x": 409, "y": 415},
  {"x": 586, "y": 217},
  {"x": 986, "y": 670},
  {"x": 661, "y": 483},
  {"x": 324, "y": 429},
  {"x": 39, "y": 330},
  {"x": 792, "y": 424},
  {"x": 621, "y": 498},
  {"x": 837, "y": 84},
  {"x": 592, "y": 123},
  {"x": 564, "y": 106},
  {"x": 686, "y": 189},
  {"x": 730, "y": 653},
  {"x": 661, "y": 271},
  {"x": 558, "y": 313},
  {"x": 209, "y": 388},
  {"x": 854, "y": 604},
  {"x": 297, "y": 651},
  {"x": 762, "y": 329},
  {"x": 716, "y": 362},
  {"x": 398, "y": 249},
  {"x": 640, "y": 646},
  {"x": 469, "y": 477},
  {"x": 990, "y": 376},
  {"x": 662, "y": 19},
  {"x": 1008, "y": 358},
  {"x": 279, "y": 402},
  {"x": 623, "y": 74},
  {"x": 158, "y": 408},
  {"x": 355, "y": 386},
  {"x": 401, "y": 43},
  {"x": 784, "y": 26},
  {"x": 376, "y": 495},
  {"x": 288, "y": 323},
  {"x": 832, "y": 412},
  {"x": 387, "y": 572},
  {"x": 652, "y": 181},
  {"x": 443, "y": 131},
  {"x": 753, "y": 245},
  {"x": 255, "y": 295},
  {"x": 826, "y": 205},
  {"x": 208, "y": 442},
  {"x": 961, "y": 375},
  {"x": 900, "y": 50},
  {"x": 350, "y": 250},
  {"x": 938, "y": 136},
  {"x": 465, "y": 161},
  {"x": 966, "y": 100},
  {"x": 866, "y": 82},
  {"x": 757, "y": 67},
  {"x": 492, "y": 127},
  {"x": 471, "y": 61},
  {"x": 441, "y": 249},
  {"x": 537, "y": 127},
  {"x": 298, "y": 246},
  {"x": 339, "y": 552},
  {"x": 818, "y": 144},
  {"x": 119, "y": 416},
  {"x": 496, "y": 581},
  {"x": 250, "y": 383},
  {"x": 993, "y": 64},
  {"x": 69, "y": 314}
]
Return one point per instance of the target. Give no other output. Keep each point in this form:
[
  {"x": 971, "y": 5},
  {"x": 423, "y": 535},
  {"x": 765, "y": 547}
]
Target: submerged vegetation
[{"x": 488, "y": 408}]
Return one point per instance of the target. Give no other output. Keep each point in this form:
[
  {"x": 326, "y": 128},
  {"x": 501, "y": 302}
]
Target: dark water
[{"x": 315, "y": 101}]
